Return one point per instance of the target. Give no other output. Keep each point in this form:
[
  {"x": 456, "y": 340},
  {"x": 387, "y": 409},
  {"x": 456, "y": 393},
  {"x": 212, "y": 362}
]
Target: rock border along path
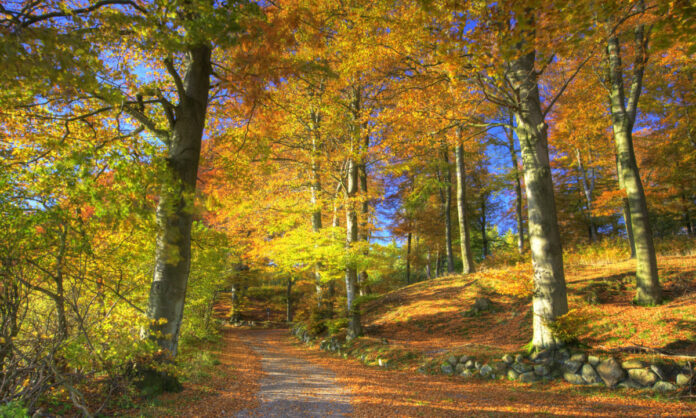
[{"x": 292, "y": 386}]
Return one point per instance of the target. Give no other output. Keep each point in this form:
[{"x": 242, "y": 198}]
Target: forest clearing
[{"x": 347, "y": 208}]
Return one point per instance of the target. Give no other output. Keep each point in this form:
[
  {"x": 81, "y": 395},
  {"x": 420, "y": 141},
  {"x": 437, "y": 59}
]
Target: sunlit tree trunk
[
  {"x": 623, "y": 113},
  {"x": 354, "y": 327},
  {"x": 484, "y": 224},
  {"x": 464, "y": 240},
  {"x": 549, "y": 299},
  {"x": 587, "y": 181},
  {"x": 518, "y": 188},
  {"x": 175, "y": 208},
  {"x": 446, "y": 203},
  {"x": 315, "y": 192}
]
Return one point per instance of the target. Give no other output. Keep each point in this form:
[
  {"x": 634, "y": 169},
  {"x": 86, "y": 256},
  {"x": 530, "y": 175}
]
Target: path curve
[{"x": 292, "y": 386}]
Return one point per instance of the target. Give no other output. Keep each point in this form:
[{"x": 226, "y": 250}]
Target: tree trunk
[
  {"x": 288, "y": 299},
  {"x": 354, "y": 327},
  {"x": 315, "y": 191},
  {"x": 484, "y": 222},
  {"x": 623, "y": 114},
  {"x": 408, "y": 259},
  {"x": 626, "y": 210},
  {"x": 588, "y": 184},
  {"x": 518, "y": 189},
  {"x": 438, "y": 264},
  {"x": 464, "y": 240},
  {"x": 175, "y": 208},
  {"x": 428, "y": 274},
  {"x": 364, "y": 217},
  {"x": 549, "y": 299},
  {"x": 446, "y": 200}
]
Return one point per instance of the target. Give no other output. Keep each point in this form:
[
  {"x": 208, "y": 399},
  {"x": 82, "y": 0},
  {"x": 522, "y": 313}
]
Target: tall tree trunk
[
  {"x": 446, "y": 200},
  {"x": 587, "y": 181},
  {"x": 464, "y": 240},
  {"x": 354, "y": 327},
  {"x": 288, "y": 299},
  {"x": 518, "y": 188},
  {"x": 623, "y": 114},
  {"x": 364, "y": 214},
  {"x": 484, "y": 224},
  {"x": 315, "y": 191},
  {"x": 408, "y": 259},
  {"x": 438, "y": 264},
  {"x": 428, "y": 273},
  {"x": 549, "y": 299},
  {"x": 175, "y": 208}
]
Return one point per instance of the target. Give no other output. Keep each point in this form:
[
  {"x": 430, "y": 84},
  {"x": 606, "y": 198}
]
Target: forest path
[{"x": 291, "y": 386}]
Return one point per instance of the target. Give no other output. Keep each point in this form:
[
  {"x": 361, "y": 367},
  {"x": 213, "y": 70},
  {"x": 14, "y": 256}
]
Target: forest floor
[
  {"x": 268, "y": 373},
  {"x": 265, "y": 372}
]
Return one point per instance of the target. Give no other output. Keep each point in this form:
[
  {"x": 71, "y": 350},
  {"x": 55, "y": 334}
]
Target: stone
[
  {"x": 541, "y": 370},
  {"x": 477, "y": 365},
  {"x": 561, "y": 355},
  {"x": 629, "y": 384},
  {"x": 632, "y": 364},
  {"x": 644, "y": 377},
  {"x": 486, "y": 370},
  {"x": 593, "y": 360},
  {"x": 659, "y": 371},
  {"x": 662, "y": 386},
  {"x": 467, "y": 374},
  {"x": 528, "y": 377},
  {"x": 611, "y": 372},
  {"x": 571, "y": 366},
  {"x": 683, "y": 379},
  {"x": 447, "y": 368},
  {"x": 453, "y": 360},
  {"x": 512, "y": 374},
  {"x": 521, "y": 367},
  {"x": 589, "y": 374},
  {"x": 507, "y": 358},
  {"x": 519, "y": 358},
  {"x": 464, "y": 359},
  {"x": 383, "y": 363},
  {"x": 500, "y": 367},
  {"x": 459, "y": 369},
  {"x": 573, "y": 378},
  {"x": 581, "y": 357},
  {"x": 469, "y": 364}
]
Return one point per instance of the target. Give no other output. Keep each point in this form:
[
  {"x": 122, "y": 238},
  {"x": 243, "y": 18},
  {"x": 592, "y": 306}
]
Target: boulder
[
  {"x": 538, "y": 356},
  {"x": 446, "y": 368},
  {"x": 453, "y": 360},
  {"x": 644, "y": 377},
  {"x": 519, "y": 358},
  {"x": 541, "y": 370},
  {"x": 521, "y": 367},
  {"x": 499, "y": 367},
  {"x": 629, "y": 384},
  {"x": 528, "y": 377},
  {"x": 662, "y": 386},
  {"x": 611, "y": 372},
  {"x": 573, "y": 378},
  {"x": 383, "y": 362},
  {"x": 486, "y": 370},
  {"x": 482, "y": 304},
  {"x": 632, "y": 364},
  {"x": 467, "y": 374},
  {"x": 683, "y": 379},
  {"x": 464, "y": 359},
  {"x": 477, "y": 365},
  {"x": 469, "y": 364},
  {"x": 589, "y": 374},
  {"x": 512, "y": 374},
  {"x": 459, "y": 369},
  {"x": 581, "y": 357},
  {"x": 507, "y": 358},
  {"x": 593, "y": 360},
  {"x": 571, "y": 366}
]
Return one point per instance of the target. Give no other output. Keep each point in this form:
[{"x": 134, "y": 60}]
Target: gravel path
[{"x": 291, "y": 386}]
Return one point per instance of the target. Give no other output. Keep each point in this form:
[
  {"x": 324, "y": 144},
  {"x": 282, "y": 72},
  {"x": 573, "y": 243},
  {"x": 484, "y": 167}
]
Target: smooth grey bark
[
  {"x": 408, "y": 258},
  {"x": 464, "y": 236},
  {"x": 518, "y": 188},
  {"x": 549, "y": 299},
  {"x": 288, "y": 300},
  {"x": 428, "y": 274},
  {"x": 175, "y": 209},
  {"x": 353, "y": 312},
  {"x": 623, "y": 115},
  {"x": 445, "y": 209},
  {"x": 315, "y": 192},
  {"x": 587, "y": 181},
  {"x": 484, "y": 223}
]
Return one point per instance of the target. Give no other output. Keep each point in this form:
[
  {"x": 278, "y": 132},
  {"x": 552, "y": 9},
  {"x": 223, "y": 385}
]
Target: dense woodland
[{"x": 157, "y": 153}]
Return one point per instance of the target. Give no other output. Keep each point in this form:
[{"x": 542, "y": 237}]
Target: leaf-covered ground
[{"x": 431, "y": 316}]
